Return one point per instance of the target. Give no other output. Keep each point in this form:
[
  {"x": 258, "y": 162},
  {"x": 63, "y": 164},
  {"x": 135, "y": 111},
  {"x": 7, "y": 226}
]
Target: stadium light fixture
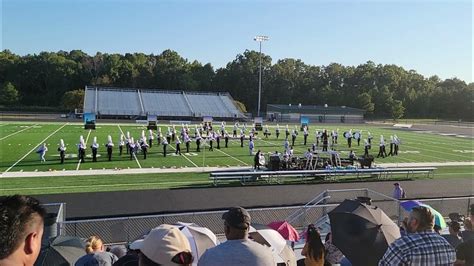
[{"x": 260, "y": 39}]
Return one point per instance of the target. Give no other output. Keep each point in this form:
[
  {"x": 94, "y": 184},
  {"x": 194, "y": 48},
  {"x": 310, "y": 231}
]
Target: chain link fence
[{"x": 128, "y": 229}]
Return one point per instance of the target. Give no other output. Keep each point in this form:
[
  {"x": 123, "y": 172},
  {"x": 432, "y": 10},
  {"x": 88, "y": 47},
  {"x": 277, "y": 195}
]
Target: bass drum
[
  {"x": 357, "y": 135},
  {"x": 347, "y": 135}
]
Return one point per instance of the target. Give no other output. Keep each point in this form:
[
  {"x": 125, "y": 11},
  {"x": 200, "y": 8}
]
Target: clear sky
[{"x": 431, "y": 37}]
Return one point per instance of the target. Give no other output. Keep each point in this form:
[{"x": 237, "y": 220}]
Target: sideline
[{"x": 120, "y": 171}]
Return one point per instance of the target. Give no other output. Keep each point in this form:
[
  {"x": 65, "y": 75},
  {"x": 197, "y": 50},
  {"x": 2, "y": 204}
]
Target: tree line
[{"x": 55, "y": 78}]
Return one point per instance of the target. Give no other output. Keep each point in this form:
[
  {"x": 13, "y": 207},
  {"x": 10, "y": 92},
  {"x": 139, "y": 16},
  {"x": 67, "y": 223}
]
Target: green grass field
[{"x": 20, "y": 140}]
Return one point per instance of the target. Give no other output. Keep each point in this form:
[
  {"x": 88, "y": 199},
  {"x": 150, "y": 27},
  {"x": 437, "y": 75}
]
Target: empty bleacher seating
[{"x": 140, "y": 102}]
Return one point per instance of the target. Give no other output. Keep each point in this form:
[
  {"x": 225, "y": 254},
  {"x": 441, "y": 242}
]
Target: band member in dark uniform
[
  {"x": 266, "y": 132},
  {"x": 226, "y": 139},
  {"x": 159, "y": 136},
  {"x": 287, "y": 132},
  {"x": 358, "y": 136},
  {"x": 109, "y": 146},
  {"x": 242, "y": 137},
  {"x": 94, "y": 148},
  {"x": 82, "y": 149},
  {"x": 348, "y": 136},
  {"x": 168, "y": 135},
  {"x": 325, "y": 137},
  {"x": 293, "y": 137},
  {"x": 165, "y": 143},
  {"x": 198, "y": 142},
  {"x": 127, "y": 142},
  {"x": 397, "y": 144},
  {"x": 173, "y": 133},
  {"x": 211, "y": 140},
  {"x": 366, "y": 148},
  {"x": 218, "y": 139},
  {"x": 144, "y": 147},
  {"x": 150, "y": 138},
  {"x": 277, "y": 131},
  {"x": 187, "y": 141},
  {"x": 131, "y": 148},
  {"x": 256, "y": 160},
  {"x": 392, "y": 144},
  {"x": 121, "y": 144},
  {"x": 178, "y": 142},
  {"x": 319, "y": 134},
  {"x": 62, "y": 150},
  {"x": 234, "y": 132},
  {"x": 382, "y": 151},
  {"x": 369, "y": 139}
]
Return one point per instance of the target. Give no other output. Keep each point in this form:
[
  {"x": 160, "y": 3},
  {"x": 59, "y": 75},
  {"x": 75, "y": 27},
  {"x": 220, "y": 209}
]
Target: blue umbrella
[{"x": 410, "y": 204}]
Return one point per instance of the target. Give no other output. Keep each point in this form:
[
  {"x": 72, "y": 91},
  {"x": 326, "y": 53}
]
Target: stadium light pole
[{"x": 260, "y": 39}]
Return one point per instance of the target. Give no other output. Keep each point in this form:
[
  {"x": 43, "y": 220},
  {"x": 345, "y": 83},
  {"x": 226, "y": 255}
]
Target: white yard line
[
  {"x": 134, "y": 155},
  {"x": 219, "y": 150},
  {"x": 185, "y": 157},
  {"x": 87, "y": 138},
  {"x": 14, "y": 133},
  {"x": 44, "y": 140}
]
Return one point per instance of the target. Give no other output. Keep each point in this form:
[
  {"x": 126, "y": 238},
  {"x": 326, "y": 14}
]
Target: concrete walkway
[{"x": 190, "y": 170}]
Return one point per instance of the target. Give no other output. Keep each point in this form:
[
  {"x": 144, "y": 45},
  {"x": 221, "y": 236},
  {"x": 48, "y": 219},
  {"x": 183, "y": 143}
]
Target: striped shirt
[{"x": 421, "y": 248}]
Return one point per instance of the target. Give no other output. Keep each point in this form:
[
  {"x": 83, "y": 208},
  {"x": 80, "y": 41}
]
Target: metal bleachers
[
  {"x": 140, "y": 102},
  {"x": 165, "y": 103}
]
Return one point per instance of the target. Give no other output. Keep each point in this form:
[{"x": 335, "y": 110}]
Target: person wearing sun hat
[
  {"x": 238, "y": 249},
  {"x": 165, "y": 245}
]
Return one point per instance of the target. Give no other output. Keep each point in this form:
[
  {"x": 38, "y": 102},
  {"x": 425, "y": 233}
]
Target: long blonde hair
[{"x": 93, "y": 244}]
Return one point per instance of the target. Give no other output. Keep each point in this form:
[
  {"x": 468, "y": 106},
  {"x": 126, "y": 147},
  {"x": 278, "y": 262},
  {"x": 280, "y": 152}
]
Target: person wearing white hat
[
  {"x": 277, "y": 131},
  {"x": 305, "y": 134},
  {"x": 382, "y": 151},
  {"x": 127, "y": 142},
  {"x": 109, "y": 146},
  {"x": 81, "y": 149},
  {"x": 62, "y": 150},
  {"x": 187, "y": 141},
  {"x": 198, "y": 141},
  {"x": 150, "y": 138},
  {"x": 164, "y": 245},
  {"x": 121, "y": 144},
  {"x": 165, "y": 144},
  {"x": 178, "y": 148},
  {"x": 94, "y": 148},
  {"x": 131, "y": 147}
]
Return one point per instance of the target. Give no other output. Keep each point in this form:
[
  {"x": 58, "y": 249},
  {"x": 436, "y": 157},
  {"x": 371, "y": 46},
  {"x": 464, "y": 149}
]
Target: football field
[{"x": 21, "y": 140}]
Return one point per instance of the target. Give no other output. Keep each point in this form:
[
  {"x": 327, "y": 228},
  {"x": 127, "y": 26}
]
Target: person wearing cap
[
  {"x": 238, "y": 249},
  {"x": 164, "y": 245},
  {"x": 398, "y": 191},
  {"x": 453, "y": 236}
]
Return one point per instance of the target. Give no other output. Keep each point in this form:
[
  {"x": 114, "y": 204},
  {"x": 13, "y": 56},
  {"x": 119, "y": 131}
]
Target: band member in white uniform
[
  {"x": 131, "y": 148},
  {"x": 62, "y": 150},
  {"x": 366, "y": 148},
  {"x": 81, "y": 149},
  {"x": 234, "y": 132},
  {"x": 226, "y": 139},
  {"x": 305, "y": 134},
  {"x": 382, "y": 151},
  {"x": 369, "y": 139},
  {"x": 211, "y": 140},
  {"x": 144, "y": 146},
  {"x": 165, "y": 144},
  {"x": 178, "y": 148},
  {"x": 217, "y": 136},
  {"x": 187, "y": 141},
  {"x": 198, "y": 142},
  {"x": 277, "y": 131},
  {"x": 150, "y": 138},
  {"x": 392, "y": 144},
  {"x": 127, "y": 142},
  {"x": 121, "y": 144},
  {"x": 109, "y": 146},
  {"x": 293, "y": 137},
  {"x": 94, "y": 147},
  {"x": 397, "y": 144},
  {"x": 358, "y": 136}
]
